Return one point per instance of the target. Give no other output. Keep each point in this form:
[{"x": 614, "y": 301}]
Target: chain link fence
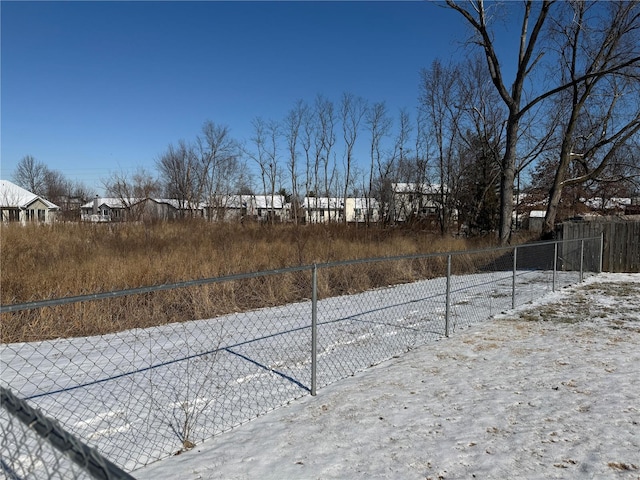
[
  {"x": 143, "y": 394},
  {"x": 45, "y": 450}
]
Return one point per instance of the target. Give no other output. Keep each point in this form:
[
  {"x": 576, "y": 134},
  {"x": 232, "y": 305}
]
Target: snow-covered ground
[
  {"x": 550, "y": 390},
  {"x": 142, "y": 395}
]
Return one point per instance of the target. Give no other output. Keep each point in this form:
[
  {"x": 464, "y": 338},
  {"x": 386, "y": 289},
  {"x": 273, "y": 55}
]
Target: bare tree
[
  {"x": 193, "y": 172},
  {"x": 379, "y": 125},
  {"x": 477, "y": 17},
  {"x": 403, "y": 162},
  {"x": 318, "y": 139},
  {"x": 259, "y": 155},
  {"x": 265, "y": 141},
  {"x": 219, "y": 164},
  {"x": 352, "y": 109},
  {"x": 423, "y": 145},
  {"x": 602, "y": 101},
  {"x": 315, "y": 130},
  {"x": 325, "y": 140},
  {"x": 273, "y": 172},
  {"x": 481, "y": 138},
  {"x": 58, "y": 188},
  {"x": 440, "y": 97},
  {"x": 292, "y": 126},
  {"x": 402, "y": 150},
  {"x": 602, "y": 56},
  {"x": 141, "y": 184},
  {"x": 306, "y": 140},
  {"x": 130, "y": 189},
  {"x": 621, "y": 177},
  {"x": 478, "y": 182},
  {"x": 52, "y": 185},
  {"x": 31, "y": 175},
  {"x": 180, "y": 172}
]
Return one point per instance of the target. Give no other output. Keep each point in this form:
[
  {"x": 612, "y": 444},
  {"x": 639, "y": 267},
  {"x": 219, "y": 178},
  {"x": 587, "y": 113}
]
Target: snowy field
[{"x": 549, "y": 390}]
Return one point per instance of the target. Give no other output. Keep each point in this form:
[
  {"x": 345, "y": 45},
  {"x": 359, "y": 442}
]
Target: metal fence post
[
  {"x": 513, "y": 283},
  {"x": 314, "y": 327},
  {"x": 555, "y": 264},
  {"x": 448, "y": 298},
  {"x": 581, "y": 258}
]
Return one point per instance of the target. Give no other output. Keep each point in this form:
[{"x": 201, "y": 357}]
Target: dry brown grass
[{"x": 42, "y": 262}]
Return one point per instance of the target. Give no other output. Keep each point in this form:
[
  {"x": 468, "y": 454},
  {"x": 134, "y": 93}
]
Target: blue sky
[{"x": 89, "y": 88}]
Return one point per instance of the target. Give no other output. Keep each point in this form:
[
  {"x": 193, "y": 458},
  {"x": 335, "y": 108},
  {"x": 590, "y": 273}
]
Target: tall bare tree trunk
[{"x": 477, "y": 18}]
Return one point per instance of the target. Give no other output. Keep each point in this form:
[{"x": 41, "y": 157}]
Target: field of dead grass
[{"x": 43, "y": 262}]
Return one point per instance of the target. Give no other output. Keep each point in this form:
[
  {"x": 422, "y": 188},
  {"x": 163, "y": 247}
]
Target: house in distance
[{"x": 20, "y": 205}]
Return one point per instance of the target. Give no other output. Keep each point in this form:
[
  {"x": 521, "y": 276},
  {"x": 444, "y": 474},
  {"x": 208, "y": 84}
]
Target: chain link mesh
[
  {"x": 144, "y": 394},
  {"x": 34, "y": 446},
  {"x": 148, "y": 393}
]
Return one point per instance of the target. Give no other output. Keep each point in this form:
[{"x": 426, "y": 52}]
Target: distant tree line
[{"x": 566, "y": 127}]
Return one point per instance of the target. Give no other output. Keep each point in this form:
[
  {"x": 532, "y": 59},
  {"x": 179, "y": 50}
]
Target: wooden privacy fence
[{"x": 621, "y": 236}]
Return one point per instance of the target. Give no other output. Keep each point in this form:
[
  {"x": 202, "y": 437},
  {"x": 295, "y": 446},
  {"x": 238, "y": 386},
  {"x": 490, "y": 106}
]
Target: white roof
[
  {"x": 264, "y": 201},
  {"x": 424, "y": 188},
  {"x": 115, "y": 202},
  {"x": 11, "y": 195},
  {"x": 614, "y": 202},
  {"x": 322, "y": 202},
  {"x": 537, "y": 213},
  {"x": 338, "y": 202},
  {"x": 175, "y": 203},
  {"x": 111, "y": 202},
  {"x": 230, "y": 201},
  {"x": 361, "y": 202}
]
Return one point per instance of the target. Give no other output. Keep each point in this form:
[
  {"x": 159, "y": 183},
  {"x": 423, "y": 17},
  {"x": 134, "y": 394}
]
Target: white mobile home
[
  {"x": 416, "y": 200},
  {"x": 323, "y": 209},
  {"x": 20, "y": 205}
]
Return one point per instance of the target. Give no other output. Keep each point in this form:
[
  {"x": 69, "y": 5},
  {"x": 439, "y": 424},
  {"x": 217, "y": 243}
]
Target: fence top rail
[
  {"x": 417, "y": 256},
  {"x": 140, "y": 290},
  {"x": 243, "y": 276}
]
